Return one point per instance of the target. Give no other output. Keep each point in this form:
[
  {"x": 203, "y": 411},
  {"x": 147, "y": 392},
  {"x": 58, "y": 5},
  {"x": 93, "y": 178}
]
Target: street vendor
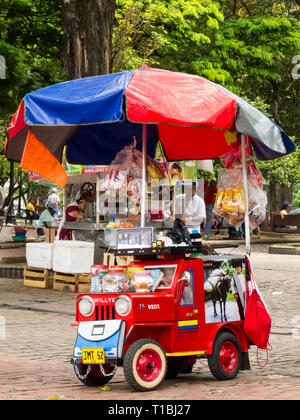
[
  {"x": 73, "y": 213},
  {"x": 48, "y": 215},
  {"x": 53, "y": 197},
  {"x": 160, "y": 206},
  {"x": 191, "y": 208}
]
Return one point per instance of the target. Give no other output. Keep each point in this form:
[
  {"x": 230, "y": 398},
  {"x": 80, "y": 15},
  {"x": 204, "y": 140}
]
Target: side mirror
[
  {"x": 186, "y": 278},
  {"x": 185, "y": 281}
]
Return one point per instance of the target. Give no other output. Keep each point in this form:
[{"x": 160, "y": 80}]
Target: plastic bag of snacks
[
  {"x": 130, "y": 160},
  {"x": 142, "y": 281},
  {"x": 258, "y": 201},
  {"x": 230, "y": 200}
]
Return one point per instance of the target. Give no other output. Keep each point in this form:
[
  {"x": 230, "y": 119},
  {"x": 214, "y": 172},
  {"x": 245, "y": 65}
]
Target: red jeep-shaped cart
[{"x": 196, "y": 311}]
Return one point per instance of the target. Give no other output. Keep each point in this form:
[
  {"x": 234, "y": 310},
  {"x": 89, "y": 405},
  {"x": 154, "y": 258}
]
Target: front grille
[{"x": 105, "y": 312}]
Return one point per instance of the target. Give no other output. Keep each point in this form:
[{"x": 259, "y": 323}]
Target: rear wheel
[
  {"x": 145, "y": 365},
  {"x": 94, "y": 375},
  {"x": 225, "y": 361}
]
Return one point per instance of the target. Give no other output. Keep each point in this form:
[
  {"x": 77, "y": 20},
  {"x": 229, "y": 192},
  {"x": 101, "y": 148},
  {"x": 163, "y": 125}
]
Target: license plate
[{"x": 93, "y": 355}]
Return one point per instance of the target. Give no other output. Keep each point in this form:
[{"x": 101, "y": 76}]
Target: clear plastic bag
[
  {"x": 130, "y": 160},
  {"x": 230, "y": 199},
  {"x": 257, "y": 202}
]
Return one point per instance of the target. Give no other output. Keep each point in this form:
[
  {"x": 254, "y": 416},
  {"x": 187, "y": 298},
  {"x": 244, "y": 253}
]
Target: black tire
[
  {"x": 225, "y": 361},
  {"x": 145, "y": 365},
  {"x": 91, "y": 375}
]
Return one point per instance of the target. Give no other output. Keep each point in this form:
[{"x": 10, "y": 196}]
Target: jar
[
  {"x": 118, "y": 267},
  {"x": 113, "y": 280},
  {"x": 97, "y": 273},
  {"x": 131, "y": 269},
  {"x": 142, "y": 281}
]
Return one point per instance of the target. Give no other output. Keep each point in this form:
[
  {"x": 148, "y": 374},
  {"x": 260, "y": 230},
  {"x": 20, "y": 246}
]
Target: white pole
[
  {"x": 97, "y": 202},
  {"x": 144, "y": 154},
  {"x": 244, "y": 168}
]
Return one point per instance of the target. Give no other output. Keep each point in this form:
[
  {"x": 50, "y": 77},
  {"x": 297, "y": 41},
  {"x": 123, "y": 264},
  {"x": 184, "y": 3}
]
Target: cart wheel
[
  {"x": 91, "y": 375},
  {"x": 145, "y": 365},
  {"x": 225, "y": 361}
]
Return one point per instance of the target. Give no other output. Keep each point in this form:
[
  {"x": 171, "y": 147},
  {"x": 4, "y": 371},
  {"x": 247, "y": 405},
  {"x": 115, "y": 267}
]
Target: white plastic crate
[
  {"x": 39, "y": 255},
  {"x": 73, "y": 256}
]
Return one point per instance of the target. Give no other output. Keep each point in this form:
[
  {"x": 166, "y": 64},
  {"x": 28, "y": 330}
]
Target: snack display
[
  {"x": 133, "y": 268},
  {"x": 113, "y": 281},
  {"x": 97, "y": 273},
  {"x": 258, "y": 201},
  {"x": 256, "y": 216},
  {"x": 142, "y": 281},
  {"x": 231, "y": 204},
  {"x": 230, "y": 200},
  {"x": 126, "y": 169}
]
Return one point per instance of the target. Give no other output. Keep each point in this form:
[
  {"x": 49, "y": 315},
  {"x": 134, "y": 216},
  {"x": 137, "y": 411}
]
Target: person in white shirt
[
  {"x": 191, "y": 208},
  {"x": 53, "y": 197}
]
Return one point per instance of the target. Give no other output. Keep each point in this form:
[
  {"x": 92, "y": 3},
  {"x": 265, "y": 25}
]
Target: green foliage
[
  {"x": 246, "y": 46},
  {"x": 163, "y": 33},
  {"x": 30, "y": 42}
]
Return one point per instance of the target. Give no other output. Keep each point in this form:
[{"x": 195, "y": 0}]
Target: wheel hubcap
[
  {"x": 228, "y": 356},
  {"x": 148, "y": 365}
]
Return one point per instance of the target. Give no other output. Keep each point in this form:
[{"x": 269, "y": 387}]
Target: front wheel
[
  {"x": 94, "y": 375},
  {"x": 145, "y": 365},
  {"x": 225, "y": 361}
]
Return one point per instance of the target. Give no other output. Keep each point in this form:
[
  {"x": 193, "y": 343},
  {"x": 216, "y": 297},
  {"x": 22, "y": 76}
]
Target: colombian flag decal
[{"x": 188, "y": 325}]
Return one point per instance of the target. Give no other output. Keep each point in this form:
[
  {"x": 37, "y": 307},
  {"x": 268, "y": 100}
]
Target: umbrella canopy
[{"x": 95, "y": 117}]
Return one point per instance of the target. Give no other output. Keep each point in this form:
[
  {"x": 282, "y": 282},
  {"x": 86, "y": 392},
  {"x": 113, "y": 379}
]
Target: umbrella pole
[
  {"x": 144, "y": 154},
  {"x": 97, "y": 202},
  {"x": 244, "y": 169}
]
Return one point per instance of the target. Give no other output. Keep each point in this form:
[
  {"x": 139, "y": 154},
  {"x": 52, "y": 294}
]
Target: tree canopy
[{"x": 247, "y": 46}]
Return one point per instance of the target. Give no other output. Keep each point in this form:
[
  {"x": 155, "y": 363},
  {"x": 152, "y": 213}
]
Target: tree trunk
[
  {"x": 88, "y": 37},
  {"x": 10, "y": 217},
  {"x": 277, "y": 195}
]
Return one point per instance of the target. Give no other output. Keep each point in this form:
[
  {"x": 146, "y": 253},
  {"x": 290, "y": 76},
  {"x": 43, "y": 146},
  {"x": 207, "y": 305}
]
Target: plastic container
[
  {"x": 131, "y": 269},
  {"x": 118, "y": 267},
  {"x": 110, "y": 236},
  {"x": 18, "y": 229},
  {"x": 142, "y": 281},
  {"x": 19, "y": 238},
  {"x": 97, "y": 274},
  {"x": 39, "y": 255},
  {"x": 20, "y": 234},
  {"x": 73, "y": 256},
  {"x": 113, "y": 281}
]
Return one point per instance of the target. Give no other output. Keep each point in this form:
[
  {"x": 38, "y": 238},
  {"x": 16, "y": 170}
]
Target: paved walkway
[{"x": 36, "y": 344}]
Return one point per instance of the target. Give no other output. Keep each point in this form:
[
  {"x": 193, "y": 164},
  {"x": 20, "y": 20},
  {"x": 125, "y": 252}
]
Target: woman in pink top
[{"x": 74, "y": 212}]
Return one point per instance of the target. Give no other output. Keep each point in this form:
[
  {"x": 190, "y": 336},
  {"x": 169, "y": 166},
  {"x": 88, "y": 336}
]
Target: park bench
[{"x": 277, "y": 224}]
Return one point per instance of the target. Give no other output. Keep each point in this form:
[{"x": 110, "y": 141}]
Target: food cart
[{"x": 162, "y": 308}]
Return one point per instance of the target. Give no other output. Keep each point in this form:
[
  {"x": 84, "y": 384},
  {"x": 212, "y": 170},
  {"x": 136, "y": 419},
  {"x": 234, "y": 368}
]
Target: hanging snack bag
[
  {"x": 230, "y": 200},
  {"x": 258, "y": 201}
]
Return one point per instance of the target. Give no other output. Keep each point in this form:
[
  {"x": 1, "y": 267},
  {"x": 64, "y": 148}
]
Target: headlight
[
  {"x": 123, "y": 305},
  {"x": 86, "y": 306}
]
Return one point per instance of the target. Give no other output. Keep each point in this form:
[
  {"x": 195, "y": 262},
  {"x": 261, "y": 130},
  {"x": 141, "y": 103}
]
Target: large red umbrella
[{"x": 95, "y": 117}]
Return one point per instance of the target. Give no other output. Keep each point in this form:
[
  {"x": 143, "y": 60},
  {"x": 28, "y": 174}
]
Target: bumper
[{"x": 109, "y": 335}]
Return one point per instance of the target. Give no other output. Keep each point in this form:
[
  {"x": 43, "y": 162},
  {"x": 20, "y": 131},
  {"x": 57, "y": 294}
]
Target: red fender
[{"x": 235, "y": 329}]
